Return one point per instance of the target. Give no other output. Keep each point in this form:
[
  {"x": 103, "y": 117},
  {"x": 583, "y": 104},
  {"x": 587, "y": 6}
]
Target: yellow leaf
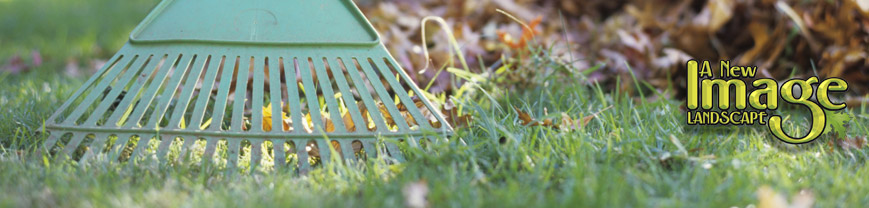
[
  {"x": 205, "y": 124},
  {"x": 267, "y": 118}
]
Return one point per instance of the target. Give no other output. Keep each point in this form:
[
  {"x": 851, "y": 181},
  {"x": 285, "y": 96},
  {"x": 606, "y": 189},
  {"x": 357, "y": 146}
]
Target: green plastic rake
[{"x": 197, "y": 76}]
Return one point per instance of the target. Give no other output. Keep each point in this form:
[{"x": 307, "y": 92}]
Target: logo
[{"x": 763, "y": 100}]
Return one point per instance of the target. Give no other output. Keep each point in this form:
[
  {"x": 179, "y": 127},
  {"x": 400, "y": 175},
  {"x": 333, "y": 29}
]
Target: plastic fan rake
[{"x": 205, "y": 81}]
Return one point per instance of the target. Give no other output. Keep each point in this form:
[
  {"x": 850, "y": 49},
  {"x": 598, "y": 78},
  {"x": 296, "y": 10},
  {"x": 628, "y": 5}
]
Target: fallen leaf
[
  {"x": 715, "y": 14},
  {"x": 451, "y": 113},
  {"x": 566, "y": 122},
  {"x": 527, "y": 35},
  {"x": 525, "y": 117},
  {"x": 587, "y": 119},
  {"x": 348, "y": 122},
  {"x": 267, "y": 119}
]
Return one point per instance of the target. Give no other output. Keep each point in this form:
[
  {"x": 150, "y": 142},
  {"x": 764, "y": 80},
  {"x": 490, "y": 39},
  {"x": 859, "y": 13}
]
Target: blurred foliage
[
  {"x": 65, "y": 34},
  {"x": 649, "y": 40}
]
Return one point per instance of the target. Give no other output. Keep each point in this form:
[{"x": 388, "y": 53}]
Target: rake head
[{"x": 274, "y": 76}]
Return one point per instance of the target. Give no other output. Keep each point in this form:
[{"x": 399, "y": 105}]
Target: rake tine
[
  {"x": 293, "y": 95},
  {"x": 347, "y": 150},
  {"x": 186, "y": 148},
  {"x": 229, "y": 81},
  {"x": 311, "y": 95},
  {"x": 201, "y": 103},
  {"x": 73, "y": 144},
  {"x": 184, "y": 98},
  {"x": 233, "y": 149},
  {"x": 78, "y": 93},
  {"x": 328, "y": 94},
  {"x": 428, "y": 141},
  {"x": 119, "y": 145},
  {"x": 169, "y": 92},
  {"x": 222, "y": 95},
  {"x": 394, "y": 152},
  {"x": 163, "y": 148},
  {"x": 302, "y": 155},
  {"x": 387, "y": 101},
  {"x": 127, "y": 105},
  {"x": 148, "y": 96},
  {"x": 99, "y": 144},
  {"x": 279, "y": 153},
  {"x": 50, "y": 142},
  {"x": 349, "y": 99},
  {"x": 370, "y": 149},
  {"x": 417, "y": 91},
  {"x": 141, "y": 146},
  {"x": 82, "y": 107},
  {"x": 411, "y": 140},
  {"x": 256, "y": 95},
  {"x": 240, "y": 95},
  {"x": 275, "y": 94},
  {"x": 208, "y": 155},
  {"x": 256, "y": 153},
  {"x": 324, "y": 148},
  {"x": 403, "y": 97},
  {"x": 363, "y": 91},
  {"x": 133, "y": 70}
]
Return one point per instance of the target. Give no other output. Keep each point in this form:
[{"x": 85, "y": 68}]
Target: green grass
[
  {"x": 629, "y": 156},
  {"x": 626, "y": 157}
]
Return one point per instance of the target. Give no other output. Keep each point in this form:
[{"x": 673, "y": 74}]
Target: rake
[{"x": 283, "y": 78}]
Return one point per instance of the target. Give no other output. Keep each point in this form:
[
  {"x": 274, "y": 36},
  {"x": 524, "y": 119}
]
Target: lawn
[{"x": 638, "y": 153}]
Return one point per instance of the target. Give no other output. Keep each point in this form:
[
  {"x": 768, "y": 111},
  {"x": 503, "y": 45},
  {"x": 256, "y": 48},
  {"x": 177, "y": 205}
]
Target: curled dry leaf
[
  {"x": 525, "y": 117},
  {"x": 527, "y": 120},
  {"x": 527, "y": 35},
  {"x": 451, "y": 114},
  {"x": 566, "y": 122}
]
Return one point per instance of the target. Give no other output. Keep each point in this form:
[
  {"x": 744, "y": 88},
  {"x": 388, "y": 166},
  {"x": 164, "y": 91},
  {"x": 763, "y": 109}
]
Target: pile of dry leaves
[{"x": 655, "y": 38}]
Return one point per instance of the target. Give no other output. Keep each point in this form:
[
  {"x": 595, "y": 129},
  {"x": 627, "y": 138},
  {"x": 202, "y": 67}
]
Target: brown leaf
[
  {"x": 547, "y": 123},
  {"x": 451, "y": 113},
  {"x": 527, "y": 35},
  {"x": 715, "y": 14},
  {"x": 330, "y": 126},
  {"x": 348, "y": 122},
  {"x": 760, "y": 34},
  {"x": 850, "y": 142},
  {"x": 525, "y": 117},
  {"x": 386, "y": 116},
  {"x": 314, "y": 151},
  {"x": 566, "y": 122},
  {"x": 588, "y": 118}
]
